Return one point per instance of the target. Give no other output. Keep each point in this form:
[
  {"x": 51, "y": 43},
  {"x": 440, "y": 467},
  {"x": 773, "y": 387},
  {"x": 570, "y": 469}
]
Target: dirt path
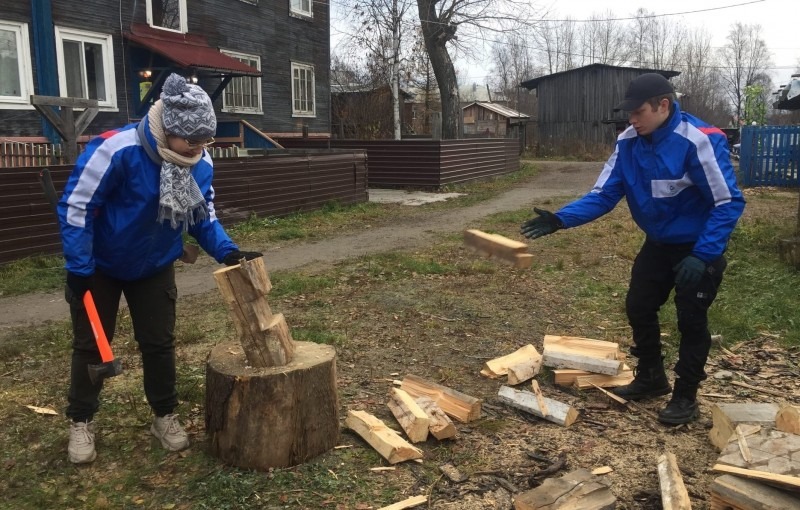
[{"x": 555, "y": 179}]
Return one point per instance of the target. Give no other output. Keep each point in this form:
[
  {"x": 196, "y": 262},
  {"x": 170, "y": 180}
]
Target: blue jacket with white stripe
[
  {"x": 109, "y": 209},
  {"x": 679, "y": 184}
]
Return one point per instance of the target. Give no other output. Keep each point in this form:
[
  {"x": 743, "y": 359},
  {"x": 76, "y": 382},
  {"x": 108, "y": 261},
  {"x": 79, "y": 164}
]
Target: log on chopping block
[
  {"x": 674, "y": 495},
  {"x": 556, "y": 411},
  {"x": 264, "y": 337},
  {"x": 556, "y": 358},
  {"x": 409, "y": 415},
  {"x": 524, "y": 356},
  {"x": 441, "y": 427},
  {"x": 384, "y": 440},
  {"x": 261, "y": 418},
  {"x": 586, "y": 346},
  {"x": 503, "y": 248},
  {"x": 577, "y": 490},
  {"x": 460, "y": 406}
]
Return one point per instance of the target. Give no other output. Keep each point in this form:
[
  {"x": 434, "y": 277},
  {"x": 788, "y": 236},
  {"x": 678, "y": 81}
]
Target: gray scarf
[{"x": 180, "y": 200}]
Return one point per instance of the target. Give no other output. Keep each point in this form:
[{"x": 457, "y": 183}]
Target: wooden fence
[
  {"x": 770, "y": 156},
  {"x": 281, "y": 183},
  {"x": 19, "y": 154}
]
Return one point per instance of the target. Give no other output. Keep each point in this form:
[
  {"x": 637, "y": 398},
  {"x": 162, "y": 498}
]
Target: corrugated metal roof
[
  {"x": 501, "y": 110},
  {"x": 532, "y": 84},
  {"x": 188, "y": 50}
]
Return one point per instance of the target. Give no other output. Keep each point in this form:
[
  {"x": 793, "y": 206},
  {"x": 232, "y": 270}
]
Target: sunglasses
[{"x": 194, "y": 144}]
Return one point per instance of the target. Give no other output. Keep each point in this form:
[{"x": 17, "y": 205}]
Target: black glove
[
  {"x": 545, "y": 223},
  {"x": 79, "y": 285},
  {"x": 689, "y": 271},
  {"x": 234, "y": 257}
]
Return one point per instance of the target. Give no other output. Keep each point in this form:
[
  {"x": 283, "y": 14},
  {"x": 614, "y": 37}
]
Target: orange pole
[{"x": 97, "y": 327}]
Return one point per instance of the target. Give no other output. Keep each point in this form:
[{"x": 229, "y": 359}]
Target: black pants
[
  {"x": 652, "y": 280},
  {"x": 151, "y": 302}
]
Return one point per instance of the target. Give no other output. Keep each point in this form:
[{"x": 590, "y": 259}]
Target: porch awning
[{"x": 188, "y": 51}]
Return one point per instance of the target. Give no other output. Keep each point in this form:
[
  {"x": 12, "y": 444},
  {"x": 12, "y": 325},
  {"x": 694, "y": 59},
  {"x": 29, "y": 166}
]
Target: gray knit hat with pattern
[{"x": 188, "y": 111}]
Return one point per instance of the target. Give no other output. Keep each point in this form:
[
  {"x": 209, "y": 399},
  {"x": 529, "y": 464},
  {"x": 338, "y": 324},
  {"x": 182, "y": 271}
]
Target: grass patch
[
  {"x": 440, "y": 313},
  {"x": 32, "y": 274}
]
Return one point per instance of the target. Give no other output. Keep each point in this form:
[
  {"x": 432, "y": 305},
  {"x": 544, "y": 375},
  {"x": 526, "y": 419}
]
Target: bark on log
[{"x": 259, "y": 418}]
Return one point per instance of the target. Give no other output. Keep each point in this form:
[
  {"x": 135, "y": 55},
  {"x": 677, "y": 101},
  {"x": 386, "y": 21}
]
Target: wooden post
[{"x": 65, "y": 122}]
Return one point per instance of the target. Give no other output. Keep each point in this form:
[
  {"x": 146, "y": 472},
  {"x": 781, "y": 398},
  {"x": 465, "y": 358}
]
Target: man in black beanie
[
  {"x": 131, "y": 196},
  {"x": 675, "y": 173}
]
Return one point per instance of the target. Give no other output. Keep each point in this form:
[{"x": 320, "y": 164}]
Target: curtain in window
[
  {"x": 85, "y": 73},
  {"x": 10, "y": 84}
]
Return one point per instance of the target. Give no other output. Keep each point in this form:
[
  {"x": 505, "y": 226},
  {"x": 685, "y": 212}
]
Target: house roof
[
  {"x": 188, "y": 51},
  {"x": 533, "y": 83},
  {"x": 499, "y": 109},
  {"x": 788, "y": 97}
]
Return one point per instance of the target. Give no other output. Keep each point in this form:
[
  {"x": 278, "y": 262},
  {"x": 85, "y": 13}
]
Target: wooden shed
[
  {"x": 493, "y": 120},
  {"x": 576, "y": 107}
]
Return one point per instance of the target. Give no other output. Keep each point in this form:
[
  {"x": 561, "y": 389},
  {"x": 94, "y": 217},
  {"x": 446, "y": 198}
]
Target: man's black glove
[
  {"x": 689, "y": 271},
  {"x": 234, "y": 257},
  {"x": 79, "y": 285},
  {"x": 545, "y": 223}
]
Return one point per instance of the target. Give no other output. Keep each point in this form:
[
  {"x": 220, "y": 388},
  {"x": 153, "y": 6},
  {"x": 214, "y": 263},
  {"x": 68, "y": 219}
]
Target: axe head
[{"x": 105, "y": 370}]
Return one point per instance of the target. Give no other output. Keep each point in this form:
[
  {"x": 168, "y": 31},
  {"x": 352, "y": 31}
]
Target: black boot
[
  {"x": 682, "y": 408},
  {"x": 649, "y": 381}
]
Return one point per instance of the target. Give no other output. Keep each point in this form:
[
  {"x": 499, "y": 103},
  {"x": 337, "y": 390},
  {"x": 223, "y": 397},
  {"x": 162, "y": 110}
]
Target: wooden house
[
  {"x": 493, "y": 120},
  {"x": 265, "y": 63},
  {"x": 576, "y": 107}
]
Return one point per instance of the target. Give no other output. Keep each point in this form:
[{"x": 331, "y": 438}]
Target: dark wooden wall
[
  {"x": 573, "y": 105},
  {"x": 274, "y": 185},
  {"x": 265, "y": 29}
]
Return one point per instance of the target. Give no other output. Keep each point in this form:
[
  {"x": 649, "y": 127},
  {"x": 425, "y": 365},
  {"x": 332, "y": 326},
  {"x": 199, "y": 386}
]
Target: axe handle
[{"x": 97, "y": 327}]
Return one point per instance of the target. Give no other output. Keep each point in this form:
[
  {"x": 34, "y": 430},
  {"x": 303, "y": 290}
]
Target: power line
[{"x": 730, "y": 6}]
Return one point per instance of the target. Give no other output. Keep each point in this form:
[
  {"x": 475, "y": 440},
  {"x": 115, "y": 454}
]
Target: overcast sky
[{"x": 778, "y": 19}]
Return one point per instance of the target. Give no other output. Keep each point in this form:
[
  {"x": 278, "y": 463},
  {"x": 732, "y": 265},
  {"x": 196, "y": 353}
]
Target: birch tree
[{"x": 745, "y": 60}]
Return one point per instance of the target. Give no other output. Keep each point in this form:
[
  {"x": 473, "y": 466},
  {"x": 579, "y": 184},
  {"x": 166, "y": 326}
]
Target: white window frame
[
  {"x": 23, "y": 101},
  {"x": 299, "y": 11},
  {"x": 184, "y": 22},
  {"x": 107, "y": 42},
  {"x": 238, "y": 109},
  {"x": 304, "y": 113}
]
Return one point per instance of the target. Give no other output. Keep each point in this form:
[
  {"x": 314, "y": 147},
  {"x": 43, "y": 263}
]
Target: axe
[{"x": 110, "y": 366}]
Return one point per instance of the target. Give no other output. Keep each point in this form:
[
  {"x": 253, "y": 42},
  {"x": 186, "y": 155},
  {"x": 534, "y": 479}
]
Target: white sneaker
[
  {"x": 81, "y": 442},
  {"x": 170, "y": 433}
]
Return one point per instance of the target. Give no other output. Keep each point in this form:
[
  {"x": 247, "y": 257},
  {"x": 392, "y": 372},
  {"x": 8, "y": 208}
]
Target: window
[
  {"x": 167, "y": 15},
  {"x": 16, "y": 78},
  {"x": 86, "y": 66},
  {"x": 243, "y": 94},
  {"x": 303, "y": 90},
  {"x": 300, "y": 7}
]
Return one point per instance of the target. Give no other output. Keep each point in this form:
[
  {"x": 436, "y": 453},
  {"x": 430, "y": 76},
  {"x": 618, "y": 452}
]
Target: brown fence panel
[
  {"x": 274, "y": 185},
  {"x": 426, "y": 163}
]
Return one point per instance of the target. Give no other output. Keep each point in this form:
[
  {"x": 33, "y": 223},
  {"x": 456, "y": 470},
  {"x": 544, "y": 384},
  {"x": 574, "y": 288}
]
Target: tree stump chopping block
[{"x": 260, "y": 418}]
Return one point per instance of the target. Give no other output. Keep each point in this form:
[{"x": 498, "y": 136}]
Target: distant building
[
  {"x": 493, "y": 120},
  {"x": 577, "y": 106}
]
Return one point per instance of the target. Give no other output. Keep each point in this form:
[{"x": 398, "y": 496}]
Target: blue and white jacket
[
  {"x": 109, "y": 208},
  {"x": 679, "y": 184}
]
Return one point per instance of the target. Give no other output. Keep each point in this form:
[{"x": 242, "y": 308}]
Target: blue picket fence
[{"x": 770, "y": 156}]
